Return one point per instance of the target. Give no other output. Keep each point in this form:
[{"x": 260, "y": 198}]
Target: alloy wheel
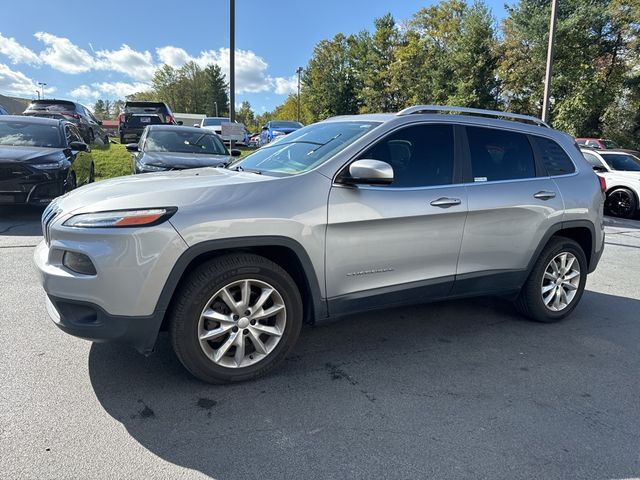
[
  {"x": 560, "y": 281},
  {"x": 620, "y": 203},
  {"x": 242, "y": 323}
]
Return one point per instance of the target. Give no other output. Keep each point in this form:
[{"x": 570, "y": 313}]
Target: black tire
[
  {"x": 196, "y": 291},
  {"x": 530, "y": 301},
  {"x": 92, "y": 173},
  {"x": 106, "y": 139},
  {"x": 621, "y": 202}
]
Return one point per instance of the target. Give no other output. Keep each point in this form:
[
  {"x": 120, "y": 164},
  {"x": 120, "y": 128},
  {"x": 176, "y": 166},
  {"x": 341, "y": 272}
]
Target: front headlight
[
  {"x": 151, "y": 168},
  {"x": 121, "y": 218},
  {"x": 49, "y": 165}
]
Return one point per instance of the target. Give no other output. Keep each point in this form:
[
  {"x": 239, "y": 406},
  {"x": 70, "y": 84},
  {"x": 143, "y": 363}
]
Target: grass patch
[{"x": 111, "y": 160}]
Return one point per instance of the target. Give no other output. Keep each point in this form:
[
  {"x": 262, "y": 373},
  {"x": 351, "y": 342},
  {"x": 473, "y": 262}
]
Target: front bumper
[
  {"x": 20, "y": 185},
  {"x": 90, "y": 322}
]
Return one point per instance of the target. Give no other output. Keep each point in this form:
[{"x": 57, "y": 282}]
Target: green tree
[
  {"x": 328, "y": 80},
  {"x": 217, "y": 91},
  {"x": 245, "y": 115},
  {"x": 99, "y": 110}
]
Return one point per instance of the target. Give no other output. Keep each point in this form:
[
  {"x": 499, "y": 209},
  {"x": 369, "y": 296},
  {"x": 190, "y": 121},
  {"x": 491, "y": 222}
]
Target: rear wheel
[
  {"x": 556, "y": 283},
  {"x": 621, "y": 202},
  {"x": 235, "y": 318}
]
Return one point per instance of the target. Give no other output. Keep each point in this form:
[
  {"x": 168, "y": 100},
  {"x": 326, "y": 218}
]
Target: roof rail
[{"x": 472, "y": 111}]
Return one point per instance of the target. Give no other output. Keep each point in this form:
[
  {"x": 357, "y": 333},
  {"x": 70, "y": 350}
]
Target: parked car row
[
  {"x": 41, "y": 159},
  {"x": 136, "y": 116}
]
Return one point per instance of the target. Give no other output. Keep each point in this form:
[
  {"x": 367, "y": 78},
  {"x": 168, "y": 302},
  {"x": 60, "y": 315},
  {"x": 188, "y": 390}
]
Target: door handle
[
  {"x": 445, "y": 202},
  {"x": 544, "y": 195}
]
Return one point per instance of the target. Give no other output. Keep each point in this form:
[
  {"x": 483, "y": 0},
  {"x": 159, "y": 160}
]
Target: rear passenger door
[{"x": 512, "y": 203}]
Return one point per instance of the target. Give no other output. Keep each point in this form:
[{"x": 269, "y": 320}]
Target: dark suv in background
[
  {"x": 89, "y": 126},
  {"x": 137, "y": 115}
]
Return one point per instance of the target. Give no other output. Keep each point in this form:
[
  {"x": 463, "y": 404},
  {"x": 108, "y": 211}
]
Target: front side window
[
  {"x": 593, "y": 160},
  {"x": 184, "y": 142},
  {"x": 554, "y": 158},
  {"x": 623, "y": 162},
  {"x": 499, "y": 155},
  {"x": 420, "y": 155},
  {"x": 305, "y": 148}
]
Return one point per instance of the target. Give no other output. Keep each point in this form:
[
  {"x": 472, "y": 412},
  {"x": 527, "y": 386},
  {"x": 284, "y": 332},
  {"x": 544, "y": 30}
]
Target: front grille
[
  {"x": 48, "y": 216},
  {"x": 12, "y": 172}
]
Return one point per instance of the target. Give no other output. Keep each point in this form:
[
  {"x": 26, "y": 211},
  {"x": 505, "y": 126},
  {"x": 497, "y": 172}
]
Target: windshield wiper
[{"x": 239, "y": 168}]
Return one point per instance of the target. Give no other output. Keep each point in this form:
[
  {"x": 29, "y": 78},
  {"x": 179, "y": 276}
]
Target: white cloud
[
  {"x": 63, "y": 55},
  {"x": 17, "y": 83},
  {"x": 120, "y": 89},
  {"x": 16, "y": 52},
  {"x": 285, "y": 86},
  {"x": 135, "y": 64},
  {"x": 85, "y": 92},
  {"x": 173, "y": 56}
]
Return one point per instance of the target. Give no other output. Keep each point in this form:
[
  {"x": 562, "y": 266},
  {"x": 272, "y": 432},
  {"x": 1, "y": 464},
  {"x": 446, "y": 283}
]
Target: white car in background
[
  {"x": 215, "y": 124},
  {"x": 621, "y": 171}
]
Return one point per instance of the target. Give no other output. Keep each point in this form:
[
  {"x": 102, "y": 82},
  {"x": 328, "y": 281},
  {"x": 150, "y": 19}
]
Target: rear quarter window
[{"x": 553, "y": 156}]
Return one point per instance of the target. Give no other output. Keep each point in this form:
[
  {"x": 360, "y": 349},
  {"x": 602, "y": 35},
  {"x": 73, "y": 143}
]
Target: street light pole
[
  {"x": 216, "y": 105},
  {"x": 42, "y": 85},
  {"x": 38, "y": 92},
  {"x": 299, "y": 71},
  {"x": 549, "y": 73},
  {"x": 232, "y": 63}
]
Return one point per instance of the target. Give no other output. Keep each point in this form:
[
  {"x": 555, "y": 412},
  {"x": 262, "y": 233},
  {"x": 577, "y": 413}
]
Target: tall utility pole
[
  {"x": 299, "y": 71},
  {"x": 549, "y": 74},
  {"x": 232, "y": 63},
  {"x": 38, "y": 92},
  {"x": 42, "y": 85}
]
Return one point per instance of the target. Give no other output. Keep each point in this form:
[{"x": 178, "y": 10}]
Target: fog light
[{"x": 79, "y": 263}]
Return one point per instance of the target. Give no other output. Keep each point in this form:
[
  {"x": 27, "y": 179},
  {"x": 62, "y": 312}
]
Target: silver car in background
[{"x": 346, "y": 215}]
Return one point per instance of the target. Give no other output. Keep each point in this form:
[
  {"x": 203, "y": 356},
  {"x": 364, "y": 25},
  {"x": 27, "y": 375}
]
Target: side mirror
[
  {"x": 369, "y": 172},
  {"x": 132, "y": 147},
  {"x": 264, "y": 127},
  {"x": 599, "y": 169},
  {"x": 180, "y": 122},
  {"x": 235, "y": 153},
  {"x": 197, "y": 125},
  {"x": 79, "y": 146}
]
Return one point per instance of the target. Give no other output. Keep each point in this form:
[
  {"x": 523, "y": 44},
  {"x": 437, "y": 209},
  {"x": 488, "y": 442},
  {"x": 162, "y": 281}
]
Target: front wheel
[
  {"x": 235, "y": 318},
  {"x": 556, "y": 283}
]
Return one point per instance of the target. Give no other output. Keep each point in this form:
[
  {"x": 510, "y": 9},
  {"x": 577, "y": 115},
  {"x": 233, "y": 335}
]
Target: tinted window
[
  {"x": 285, "y": 125},
  {"x": 211, "y": 122},
  {"x": 623, "y": 162},
  {"x": 555, "y": 159},
  {"x": 72, "y": 134},
  {"x": 19, "y": 133},
  {"x": 421, "y": 156},
  {"x": 593, "y": 160},
  {"x": 499, "y": 155},
  {"x": 184, "y": 142}
]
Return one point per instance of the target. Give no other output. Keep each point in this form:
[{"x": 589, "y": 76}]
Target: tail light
[
  {"x": 71, "y": 115},
  {"x": 170, "y": 119},
  {"x": 603, "y": 183}
]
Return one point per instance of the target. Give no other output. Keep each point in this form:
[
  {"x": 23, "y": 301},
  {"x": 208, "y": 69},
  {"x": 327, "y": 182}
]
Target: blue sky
[{"x": 89, "y": 50}]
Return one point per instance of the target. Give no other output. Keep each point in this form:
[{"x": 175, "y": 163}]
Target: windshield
[
  {"x": 609, "y": 144},
  {"x": 623, "y": 162},
  {"x": 184, "y": 142},
  {"x": 30, "y": 134},
  {"x": 304, "y": 149},
  {"x": 286, "y": 125},
  {"x": 208, "y": 122}
]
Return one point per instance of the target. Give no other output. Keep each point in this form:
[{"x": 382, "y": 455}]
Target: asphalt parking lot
[{"x": 448, "y": 390}]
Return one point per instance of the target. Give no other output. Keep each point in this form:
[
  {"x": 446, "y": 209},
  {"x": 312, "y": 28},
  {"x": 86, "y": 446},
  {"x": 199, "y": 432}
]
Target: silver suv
[{"x": 350, "y": 214}]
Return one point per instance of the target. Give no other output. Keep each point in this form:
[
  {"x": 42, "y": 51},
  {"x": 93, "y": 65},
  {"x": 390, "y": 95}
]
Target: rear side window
[
  {"x": 421, "y": 155},
  {"x": 593, "y": 160},
  {"x": 499, "y": 155},
  {"x": 555, "y": 159}
]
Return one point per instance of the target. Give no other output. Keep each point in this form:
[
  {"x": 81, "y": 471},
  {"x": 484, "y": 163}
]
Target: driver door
[{"x": 398, "y": 243}]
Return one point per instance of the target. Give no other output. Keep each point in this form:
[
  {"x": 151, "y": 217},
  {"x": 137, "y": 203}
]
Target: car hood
[
  {"x": 24, "y": 154},
  {"x": 184, "y": 160},
  {"x": 179, "y": 188}
]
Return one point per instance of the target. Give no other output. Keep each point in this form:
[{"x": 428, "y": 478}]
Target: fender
[{"x": 317, "y": 304}]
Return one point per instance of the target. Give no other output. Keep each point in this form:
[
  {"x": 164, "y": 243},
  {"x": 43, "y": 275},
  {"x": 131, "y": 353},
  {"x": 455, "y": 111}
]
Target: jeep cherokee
[{"x": 346, "y": 215}]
